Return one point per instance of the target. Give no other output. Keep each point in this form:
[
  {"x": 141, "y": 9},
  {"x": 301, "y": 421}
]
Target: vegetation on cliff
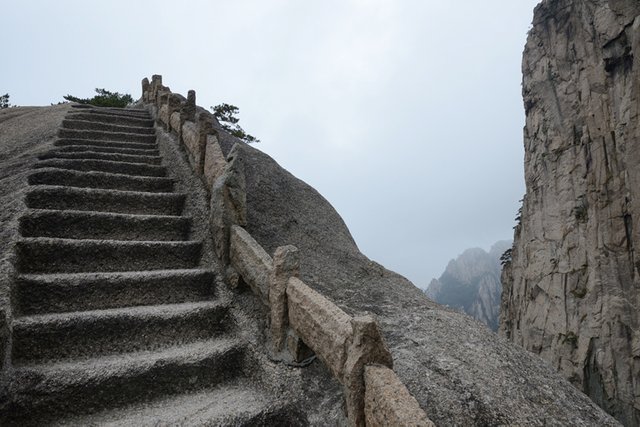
[
  {"x": 226, "y": 115},
  {"x": 104, "y": 98}
]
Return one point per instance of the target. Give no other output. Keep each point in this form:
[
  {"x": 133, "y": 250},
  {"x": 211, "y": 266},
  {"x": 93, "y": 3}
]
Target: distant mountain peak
[{"x": 471, "y": 283}]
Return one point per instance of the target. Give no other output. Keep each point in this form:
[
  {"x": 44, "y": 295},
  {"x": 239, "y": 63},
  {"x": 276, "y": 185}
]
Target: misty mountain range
[{"x": 471, "y": 284}]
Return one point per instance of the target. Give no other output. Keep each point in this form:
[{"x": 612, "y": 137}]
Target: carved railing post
[
  {"x": 163, "y": 100},
  {"x": 228, "y": 204},
  {"x": 145, "y": 89},
  {"x": 156, "y": 84},
  {"x": 367, "y": 347},
  {"x": 286, "y": 264},
  {"x": 174, "y": 105},
  {"x": 188, "y": 111},
  {"x": 205, "y": 128}
]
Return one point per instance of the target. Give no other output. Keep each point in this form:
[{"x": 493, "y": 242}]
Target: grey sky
[{"x": 406, "y": 115}]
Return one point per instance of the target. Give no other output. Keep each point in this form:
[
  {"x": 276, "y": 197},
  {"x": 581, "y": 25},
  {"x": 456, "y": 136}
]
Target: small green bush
[
  {"x": 4, "y": 101},
  {"x": 104, "y": 98}
]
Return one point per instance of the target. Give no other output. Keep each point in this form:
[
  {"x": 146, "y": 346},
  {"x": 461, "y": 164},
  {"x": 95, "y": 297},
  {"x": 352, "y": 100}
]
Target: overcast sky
[{"x": 405, "y": 114}]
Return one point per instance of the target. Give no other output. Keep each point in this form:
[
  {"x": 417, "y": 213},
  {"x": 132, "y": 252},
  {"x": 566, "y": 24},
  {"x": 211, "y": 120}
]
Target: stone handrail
[{"x": 300, "y": 319}]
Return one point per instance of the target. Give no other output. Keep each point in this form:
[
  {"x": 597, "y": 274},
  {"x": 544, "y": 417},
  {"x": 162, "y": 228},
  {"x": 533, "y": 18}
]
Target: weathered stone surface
[
  {"x": 214, "y": 161},
  {"x": 366, "y": 347},
  {"x": 4, "y": 338},
  {"x": 388, "y": 402},
  {"x": 145, "y": 88},
  {"x": 174, "y": 121},
  {"x": 298, "y": 350},
  {"x": 205, "y": 129},
  {"x": 251, "y": 262},
  {"x": 572, "y": 290},
  {"x": 25, "y": 133},
  {"x": 164, "y": 116},
  {"x": 286, "y": 264},
  {"x": 321, "y": 324},
  {"x": 174, "y": 104},
  {"x": 156, "y": 85},
  {"x": 191, "y": 138},
  {"x": 228, "y": 205},
  {"x": 188, "y": 111}
]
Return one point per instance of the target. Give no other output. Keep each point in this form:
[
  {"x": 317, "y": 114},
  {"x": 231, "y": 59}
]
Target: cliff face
[
  {"x": 471, "y": 283},
  {"x": 572, "y": 290}
]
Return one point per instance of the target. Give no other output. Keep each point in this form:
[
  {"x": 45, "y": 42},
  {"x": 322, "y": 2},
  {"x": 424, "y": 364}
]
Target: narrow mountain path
[{"x": 116, "y": 318}]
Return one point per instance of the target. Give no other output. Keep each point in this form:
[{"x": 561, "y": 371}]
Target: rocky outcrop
[
  {"x": 471, "y": 284},
  {"x": 572, "y": 289}
]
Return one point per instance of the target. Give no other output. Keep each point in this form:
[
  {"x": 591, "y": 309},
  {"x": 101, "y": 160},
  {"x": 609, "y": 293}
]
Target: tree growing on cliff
[
  {"x": 4, "y": 101},
  {"x": 226, "y": 115},
  {"x": 104, "y": 98}
]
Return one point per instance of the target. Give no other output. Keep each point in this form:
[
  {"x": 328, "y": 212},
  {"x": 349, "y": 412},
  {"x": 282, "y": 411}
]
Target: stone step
[
  {"x": 125, "y": 112},
  {"x": 45, "y": 393},
  {"x": 100, "y": 200},
  {"x": 97, "y": 155},
  {"x": 69, "y": 224},
  {"x": 74, "y": 123},
  {"x": 153, "y": 152},
  {"x": 56, "y": 293},
  {"x": 106, "y": 136},
  {"x": 53, "y": 255},
  {"x": 87, "y": 334},
  {"x": 236, "y": 403},
  {"x": 67, "y": 142},
  {"x": 125, "y": 168},
  {"x": 102, "y": 180},
  {"x": 111, "y": 118}
]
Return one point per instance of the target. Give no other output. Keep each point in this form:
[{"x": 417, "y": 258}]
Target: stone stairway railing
[{"x": 301, "y": 319}]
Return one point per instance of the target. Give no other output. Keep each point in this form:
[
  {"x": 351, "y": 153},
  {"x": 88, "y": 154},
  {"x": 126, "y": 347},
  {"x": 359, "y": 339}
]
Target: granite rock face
[
  {"x": 572, "y": 290},
  {"x": 471, "y": 284}
]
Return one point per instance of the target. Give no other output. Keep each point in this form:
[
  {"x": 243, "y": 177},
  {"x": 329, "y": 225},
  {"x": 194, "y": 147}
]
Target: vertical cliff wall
[{"x": 572, "y": 290}]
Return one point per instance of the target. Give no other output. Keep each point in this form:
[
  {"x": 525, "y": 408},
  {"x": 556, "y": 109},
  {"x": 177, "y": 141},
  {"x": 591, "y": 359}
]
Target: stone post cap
[{"x": 286, "y": 258}]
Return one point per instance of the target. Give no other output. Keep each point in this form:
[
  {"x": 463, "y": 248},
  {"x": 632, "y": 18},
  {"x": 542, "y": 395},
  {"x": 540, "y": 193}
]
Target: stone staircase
[{"x": 116, "y": 320}]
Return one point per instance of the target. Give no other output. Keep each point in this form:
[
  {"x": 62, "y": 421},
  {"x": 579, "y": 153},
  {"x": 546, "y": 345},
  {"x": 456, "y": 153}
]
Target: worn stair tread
[
  {"x": 74, "y": 123},
  {"x": 79, "y": 335},
  {"x": 71, "y": 142},
  {"x": 49, "y": 391},
  {"x": 55, "y": 255},
  {"x": 151, "y": 152},
  {"x": 104, "y": 200},
  {"x": 111, "y": 118},
  {"x": 234, "y": 403},
  {"x": 100, "y": 180},
  {"x": 72, "y": 224},
  {"x": 63, "y": 292},
  {"x": 106, "y": 136},
  {"x": 97, "y": 155},
  {"x": 121, "y": 167},
  {"x": 125, "y": 112}
]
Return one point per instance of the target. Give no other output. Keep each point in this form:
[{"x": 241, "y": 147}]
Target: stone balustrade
[{"x": 352, "y": 348}]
